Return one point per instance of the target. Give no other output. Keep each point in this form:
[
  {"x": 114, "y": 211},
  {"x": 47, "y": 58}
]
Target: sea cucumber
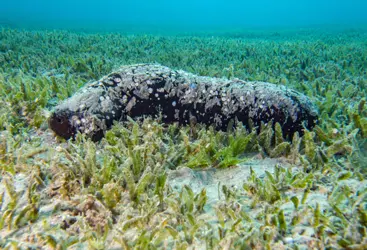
[{"x": 152, "y": 89}]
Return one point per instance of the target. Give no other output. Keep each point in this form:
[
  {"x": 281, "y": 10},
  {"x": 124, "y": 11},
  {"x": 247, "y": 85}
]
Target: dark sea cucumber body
[{"x": 178, "y": 96}]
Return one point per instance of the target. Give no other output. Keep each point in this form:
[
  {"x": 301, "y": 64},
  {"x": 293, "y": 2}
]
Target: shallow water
[{"x": 135, "y": 188}]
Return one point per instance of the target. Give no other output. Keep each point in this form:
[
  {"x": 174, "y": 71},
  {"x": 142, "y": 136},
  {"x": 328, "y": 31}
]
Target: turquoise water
[{"x": 177, "y": 16}]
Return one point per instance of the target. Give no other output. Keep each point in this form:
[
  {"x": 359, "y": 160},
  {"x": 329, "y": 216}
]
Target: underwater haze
[{"x": 190, "y": 15}]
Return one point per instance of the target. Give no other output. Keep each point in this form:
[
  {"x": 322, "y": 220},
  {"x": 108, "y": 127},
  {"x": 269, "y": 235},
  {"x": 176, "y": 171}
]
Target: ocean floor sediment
[{"x": 148, "y": 184}]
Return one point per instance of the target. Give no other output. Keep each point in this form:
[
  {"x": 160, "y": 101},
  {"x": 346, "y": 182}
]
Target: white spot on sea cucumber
[
  {"x": 131, "y": 104},
  {"x": 124, "y": 99}
]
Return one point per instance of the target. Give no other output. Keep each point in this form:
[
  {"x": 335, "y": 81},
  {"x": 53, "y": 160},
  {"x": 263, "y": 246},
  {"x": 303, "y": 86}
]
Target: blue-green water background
[{"x": 178, "y": 16}]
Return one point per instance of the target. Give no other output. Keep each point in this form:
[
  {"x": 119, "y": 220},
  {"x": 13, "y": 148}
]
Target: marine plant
[{"x": 119, "y": 192}]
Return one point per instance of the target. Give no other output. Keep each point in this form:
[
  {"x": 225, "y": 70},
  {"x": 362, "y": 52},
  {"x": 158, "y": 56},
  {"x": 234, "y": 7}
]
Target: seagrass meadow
[{"x": 149, "y": 185}]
